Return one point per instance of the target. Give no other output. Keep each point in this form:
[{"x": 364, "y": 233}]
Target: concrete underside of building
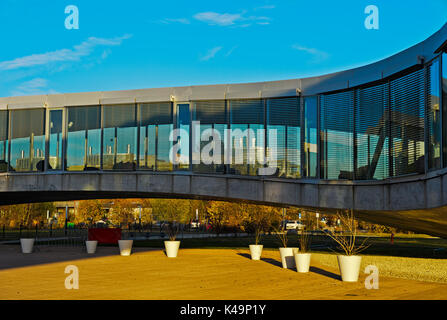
[{"x": 413, "y": 203}]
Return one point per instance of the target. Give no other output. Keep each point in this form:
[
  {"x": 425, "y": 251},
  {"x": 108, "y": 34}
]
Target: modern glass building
[{"x": 384, "y": 120}]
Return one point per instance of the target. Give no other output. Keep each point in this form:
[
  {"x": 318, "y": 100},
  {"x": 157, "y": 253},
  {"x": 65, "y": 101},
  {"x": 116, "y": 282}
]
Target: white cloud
[
  {"x": 35, "y": 86},
  {"x": 177, "y": 20},
  {"x": 228, "y": 19},
  {"x": 317, "y": 55},
  {"x": 230, "y": 51},
  {"x": 266, "y": 7},
  {"x": 63, "y": 55},
  {"x": 211, "y": 53},
  {"x": 221, "y": 19}
]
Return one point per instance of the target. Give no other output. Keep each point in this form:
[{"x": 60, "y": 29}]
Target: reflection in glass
[
  {"x": 212, "y": 116},
  {"x": 155, "y": 118},
  {"x": 3, "y": 140},
  {"x": 55, "y": 142},
  {"x": 337, "y": 139},
  {"x": 444, "y": 105},
  {"x": 310, "y": 137},
  {"x": 164, "y": 147},
  {"x": 372, "y": 136},
  {"x": 27, "y": 140},
  {"x": 407, "y": 123},
  {"x": 246, "y": 118},
  {"x": 183, "y": 123},
  {"x": 83, "y": 138},
  {"x": 120, "y": 137},
  {"x": 434, "y": 117},
  {"x": 283, "y": 116}
]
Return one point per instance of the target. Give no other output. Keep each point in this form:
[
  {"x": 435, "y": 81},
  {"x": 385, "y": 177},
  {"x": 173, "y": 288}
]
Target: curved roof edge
[{"x": 425, "y": 51}]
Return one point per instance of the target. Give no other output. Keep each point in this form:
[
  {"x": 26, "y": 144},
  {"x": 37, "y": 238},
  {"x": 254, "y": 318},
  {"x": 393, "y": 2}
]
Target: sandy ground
[{"x": 195, "y": 274}]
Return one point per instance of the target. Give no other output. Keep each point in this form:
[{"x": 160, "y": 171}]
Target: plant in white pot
[
  {"x": 258, "y": 221},
  {"x": 349, "y": 262},
  {"x": 172, "y": 245},
  {"x": 91, "y": 246},
  {"x": 256, "y": 249},
  {"x": 287, "y": 253},
  {"x": 27, "y": 243},
  {"x": 125, "y": 246},
  {"x": 302, "y": 257}
]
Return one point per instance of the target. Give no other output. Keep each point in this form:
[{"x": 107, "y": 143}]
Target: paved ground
[{"x": 194, "y": 274}]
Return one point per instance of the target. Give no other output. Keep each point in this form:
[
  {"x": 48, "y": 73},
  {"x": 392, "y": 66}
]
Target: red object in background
[
  {"x": 105, "y": 235},
  {"x": 392, "y": 238}
]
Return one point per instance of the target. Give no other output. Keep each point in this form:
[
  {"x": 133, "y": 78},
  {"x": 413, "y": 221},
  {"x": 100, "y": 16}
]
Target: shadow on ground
[
  {"x": 11, "y": 256},
  {"x": 313, "y": 269}
]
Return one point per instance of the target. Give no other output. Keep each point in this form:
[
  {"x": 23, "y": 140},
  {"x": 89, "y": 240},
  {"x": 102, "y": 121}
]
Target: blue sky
[{"x": 143, "y": 44}]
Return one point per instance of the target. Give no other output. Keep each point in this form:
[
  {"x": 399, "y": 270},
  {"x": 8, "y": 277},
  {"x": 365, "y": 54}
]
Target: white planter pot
[
  {"x": 27, "y": 245},
  {"x": 302, "y": 261},
  {"x": 91, "y": 246},
  {"x": 256, "y": 251},
  {"x": 172, "y": 248},
  {"x": 349, "y": 267},
  {"x": 125, "y": 247},
  {"x": 288, "y": 257}
]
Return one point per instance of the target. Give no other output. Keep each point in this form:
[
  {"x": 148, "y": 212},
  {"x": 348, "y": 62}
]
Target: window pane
[
  {"x": 183, "y": 123},
  {"x": 337, "y": 141},
  {"x": 28, "y": 140},
  {"x": 433, "y": 117},
  {"x": 3, "y": 140},
  {"x": 444, "y": 103},
  {"x": 407, "y": 123},
  {"x": 247, "y": 117},
  {"x": 155, "y": 118},
  {"x": 310, "y": 137},
  {"x": 212, "y": 117},
  {"x": 120, "y": 137},
  {"x": 147, "y": 147},
  {"x": 55, "y": 143},
  {"x": 83, "y": 138},
  {"x": 283, "y": 115},
  {"x": 164, "y": 147},
  {"x": 372, "y": 136}
]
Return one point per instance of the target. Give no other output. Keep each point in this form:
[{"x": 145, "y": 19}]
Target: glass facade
[
  {"x": 55, "y": 141},
  {"x": 120, "y": 137},
  {"x": 337, "y": 135},
  {"x": 393, "y": 128},
  {"x": 83, "y": 139},
  {"x": 246, "y": 119},
  {"x": 371, "y": 133},
  {"x": 3, "y": 140},
  {"x": 155, "y": 121},
  {"x": 310, "y": 139},
  {"x": 27, "y": 140},
  {"x": 434, "y": 116},
  {"x": 407, "y": 106},
  {"x": 444, "y": 105},
  {"x": 210, "y": 157}
]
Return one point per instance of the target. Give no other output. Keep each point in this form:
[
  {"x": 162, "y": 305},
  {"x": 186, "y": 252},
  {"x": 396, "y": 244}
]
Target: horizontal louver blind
[
  {"x": 283, "y": 111},
  {"x": 247, "y": 111},
  {"x": 337, "y": 135},
  {"x": 119, "y": 116},
  {"x": 27, "y": 122},
  {"x": 209, "y": 112},
  {"x": 156, "y": 113},
  {"x": 371, "y": 132},
  {"x": 84, "y": 118},
  {"x": 407, "y": 123}
]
